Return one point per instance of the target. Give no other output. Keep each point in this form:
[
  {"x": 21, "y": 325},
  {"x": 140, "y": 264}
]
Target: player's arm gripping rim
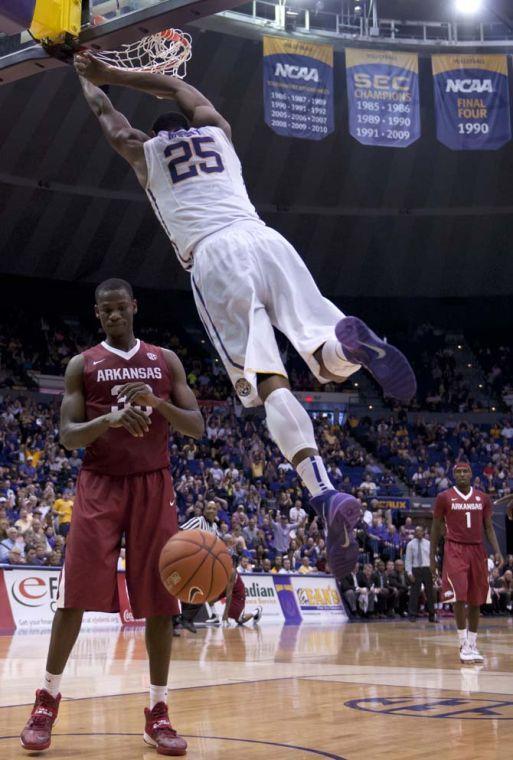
[
  {"x": 182, "y": 412},
  {"x": 120, "y": 134},
  {"x": 196, "y": 107},
  {"x": 75, "y": 431}
]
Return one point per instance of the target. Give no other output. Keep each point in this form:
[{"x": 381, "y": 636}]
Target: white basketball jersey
[{"x": 195, "y": 186}]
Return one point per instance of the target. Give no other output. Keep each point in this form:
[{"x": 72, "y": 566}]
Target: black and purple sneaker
[
  {"x": 386, "y": 363},
  {"x": 341, "y": 512}
]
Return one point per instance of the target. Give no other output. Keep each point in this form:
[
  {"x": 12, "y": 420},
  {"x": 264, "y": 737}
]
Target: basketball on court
[{"x": 195, "y": 566}]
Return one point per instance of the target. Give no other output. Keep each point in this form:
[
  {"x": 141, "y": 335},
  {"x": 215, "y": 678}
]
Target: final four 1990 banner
[
  {"x": 472, "y": 101},
  {"x": 298, "y": 88},
  {"x": 383, "y": 97}
]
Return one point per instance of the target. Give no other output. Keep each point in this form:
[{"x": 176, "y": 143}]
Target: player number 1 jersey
[
  {"x": 464, "y": 515},
  {"x": 195, "y": 186}
]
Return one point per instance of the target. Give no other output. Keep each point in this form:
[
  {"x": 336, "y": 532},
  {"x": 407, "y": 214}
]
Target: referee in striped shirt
[{"x": 206, "y": 521}]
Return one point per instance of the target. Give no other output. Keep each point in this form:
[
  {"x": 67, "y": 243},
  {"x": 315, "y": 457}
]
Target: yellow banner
[
  {"x": 496, "y": 63},
  {"x": 357, "y": 57},
  {"x": 286, "y": 46}
]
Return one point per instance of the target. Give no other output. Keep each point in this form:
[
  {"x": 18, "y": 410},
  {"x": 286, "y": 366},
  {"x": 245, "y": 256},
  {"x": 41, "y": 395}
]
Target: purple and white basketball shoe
[
  {"x": 340, "y": 512},
  {"x": 386, "y": 363}
]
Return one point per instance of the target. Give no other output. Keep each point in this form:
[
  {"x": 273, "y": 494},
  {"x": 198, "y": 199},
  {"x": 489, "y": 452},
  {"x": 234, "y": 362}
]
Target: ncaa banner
[
  {"x": 383, "y": 97},
  {"x": 298, "y": 88},
  {"x": 472, "y": 101}
]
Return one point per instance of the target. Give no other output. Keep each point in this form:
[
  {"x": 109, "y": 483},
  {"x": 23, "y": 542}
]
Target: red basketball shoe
[
  {"x": 37, "y": 734},
  {"x": 160, "y": 733}
]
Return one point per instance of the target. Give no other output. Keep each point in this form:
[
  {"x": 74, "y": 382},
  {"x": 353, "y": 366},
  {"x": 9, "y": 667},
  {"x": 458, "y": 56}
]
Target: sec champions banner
[
  {"x": 472, "y": 101},
  {"x": 298, "y": 88},
  {"x": 383, "y": 97}
]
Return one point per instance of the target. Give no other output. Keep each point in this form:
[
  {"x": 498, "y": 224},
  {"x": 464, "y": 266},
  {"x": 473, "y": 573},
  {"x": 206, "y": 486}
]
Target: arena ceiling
[{"x": 423, "y": 221}]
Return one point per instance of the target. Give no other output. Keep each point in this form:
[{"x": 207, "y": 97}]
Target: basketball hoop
[{"x": 166, "y": 52}]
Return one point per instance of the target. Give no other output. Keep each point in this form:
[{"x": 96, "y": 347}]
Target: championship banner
[
  {"x": 472, "y": 101},
  {"x": 383, "y": 97},
  {"x": 298, "y": 88}
]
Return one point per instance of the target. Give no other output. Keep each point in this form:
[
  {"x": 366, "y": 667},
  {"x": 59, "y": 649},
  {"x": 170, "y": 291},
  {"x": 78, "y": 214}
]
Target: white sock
[
  {"x": 462, "y": 636},
  {"x": 157, "y": 694},
  {"x": 289, "y": 424},
  {"x": 472, "y": 638},
  {"x": 51, "y": 683},
  {"x": 335, "y": 361},
  {"x": 313, "y": 474}
]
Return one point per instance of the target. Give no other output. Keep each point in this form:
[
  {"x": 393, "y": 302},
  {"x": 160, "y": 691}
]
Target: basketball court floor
[{"x": 379, "y": 690}]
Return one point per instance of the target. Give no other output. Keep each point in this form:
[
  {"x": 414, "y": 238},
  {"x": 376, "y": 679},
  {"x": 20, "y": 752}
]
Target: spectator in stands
[
  {"x": 15, "y": 557},
  {"x": 281, "y": 530},
  {"x": 63, "y": 508},
  {"x": 297, "y": 514},
  {"x": 384, "y": 595},
  {"x": 354, "y": 594},
  {"x": 278, "y": 564},
  {"x": 305, "y": 568},
  {"x": 244, "y": 566},
  {"x": 368, "y": 486},
  {"x": 400, "y": 581},
  {"x": 508, "y": 565},
  {"x": 377, "y": 535},
  {"x": 418, "y": 568},
  {"x": 8, "y": 544}
]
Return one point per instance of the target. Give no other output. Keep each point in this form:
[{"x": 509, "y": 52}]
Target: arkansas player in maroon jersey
[
  {"x": 465, "y": 512},
  {"x": 120, "y": 398}
]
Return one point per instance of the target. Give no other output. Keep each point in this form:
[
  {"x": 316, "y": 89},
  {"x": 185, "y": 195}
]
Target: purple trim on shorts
[
  {"x": 161, "y": 220},
  {"x": 234, "y": 364}
]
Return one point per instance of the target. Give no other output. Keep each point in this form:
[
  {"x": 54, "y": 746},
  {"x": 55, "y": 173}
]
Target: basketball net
[{"x": 166, "y": 52}]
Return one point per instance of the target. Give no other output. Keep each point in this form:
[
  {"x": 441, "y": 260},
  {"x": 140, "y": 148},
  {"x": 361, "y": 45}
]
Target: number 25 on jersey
[{"x": 184, "y": 155}]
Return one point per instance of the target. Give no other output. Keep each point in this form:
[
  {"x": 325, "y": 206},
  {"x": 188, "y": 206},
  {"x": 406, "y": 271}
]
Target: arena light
[{"x": 468, "y": 6}]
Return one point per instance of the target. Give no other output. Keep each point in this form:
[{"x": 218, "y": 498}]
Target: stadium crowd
[{"x": 263, "y": 510}]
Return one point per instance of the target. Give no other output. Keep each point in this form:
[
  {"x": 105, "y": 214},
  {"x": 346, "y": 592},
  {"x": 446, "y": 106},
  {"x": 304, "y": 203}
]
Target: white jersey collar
[
  {"x": 467, "y": 497},
  {"x": 123, "y": 354}
]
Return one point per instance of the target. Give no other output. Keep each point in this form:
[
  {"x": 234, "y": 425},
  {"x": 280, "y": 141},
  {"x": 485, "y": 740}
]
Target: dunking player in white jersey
[{"x": 246, "y": 278}]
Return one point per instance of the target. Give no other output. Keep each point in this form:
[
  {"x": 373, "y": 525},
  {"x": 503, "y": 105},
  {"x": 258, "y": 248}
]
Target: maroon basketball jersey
[
  {"x": 464, "y": 515},
  {"x": 106, "y": 370}
]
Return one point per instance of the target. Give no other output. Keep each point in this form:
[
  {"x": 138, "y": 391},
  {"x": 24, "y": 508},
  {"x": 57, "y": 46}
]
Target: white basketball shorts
[{"x": 247, "y": 279}]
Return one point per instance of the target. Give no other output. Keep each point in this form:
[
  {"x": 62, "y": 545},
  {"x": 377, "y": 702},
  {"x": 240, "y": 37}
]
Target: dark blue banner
[
  {"x": 383, "y": 97},
  {"x": 298, "y": 88},
  {"x": 472, "y": 101}
]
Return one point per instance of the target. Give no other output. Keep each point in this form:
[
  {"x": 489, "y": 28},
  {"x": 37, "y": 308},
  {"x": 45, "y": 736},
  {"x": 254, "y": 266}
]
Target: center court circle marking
[
  {"x": 317, "y": 752},
  {"x": 460, "y": 708}
]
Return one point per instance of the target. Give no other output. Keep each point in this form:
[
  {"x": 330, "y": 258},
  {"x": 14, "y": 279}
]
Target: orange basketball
[{"x": 195, "y": 566}]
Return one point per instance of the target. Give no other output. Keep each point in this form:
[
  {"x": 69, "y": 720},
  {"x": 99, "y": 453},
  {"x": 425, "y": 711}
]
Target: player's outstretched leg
[
  {"x": 386, "y": 363},
  {"x": 292, "y": 430}
]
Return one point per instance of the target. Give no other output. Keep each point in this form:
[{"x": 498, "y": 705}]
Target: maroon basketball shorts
[
  {"x": 143, "y": 508},
  {"x": 238, "y": 602},
  {"x": 465, "y": 573}
]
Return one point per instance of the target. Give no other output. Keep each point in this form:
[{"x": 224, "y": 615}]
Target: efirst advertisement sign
[{"x": 28, "y": 599}]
